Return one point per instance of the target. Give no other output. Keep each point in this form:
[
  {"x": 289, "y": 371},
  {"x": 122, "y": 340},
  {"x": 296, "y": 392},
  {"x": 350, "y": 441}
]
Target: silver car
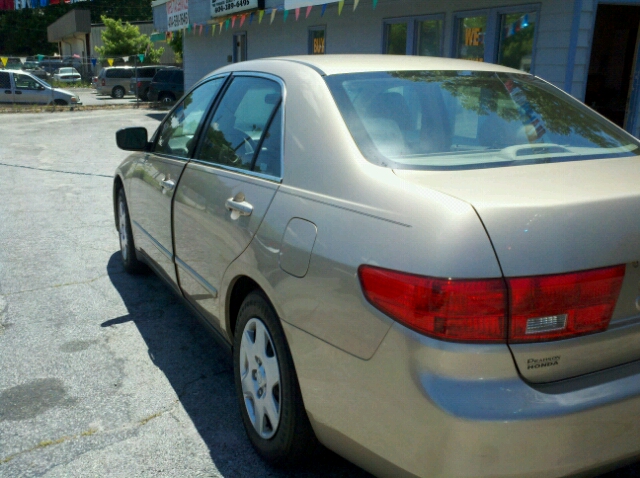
[
  {"x": 430, "y": 266},
  {"x": 23, "y": 87}
]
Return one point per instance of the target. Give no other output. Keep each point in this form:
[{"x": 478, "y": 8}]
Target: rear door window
[
  {"x": 5, "y": 81},
  {"x": 237, "y": 133}
]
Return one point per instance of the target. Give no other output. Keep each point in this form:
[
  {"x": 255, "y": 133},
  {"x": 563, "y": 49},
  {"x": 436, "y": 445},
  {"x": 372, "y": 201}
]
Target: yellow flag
[
  {"x": 340, "y": 6},
  {"x": 273, "y": 14},
  {"x": 260, "y": 15},
  {"x": 4, "y": 60},
  {"x": 110, "y": 60}
]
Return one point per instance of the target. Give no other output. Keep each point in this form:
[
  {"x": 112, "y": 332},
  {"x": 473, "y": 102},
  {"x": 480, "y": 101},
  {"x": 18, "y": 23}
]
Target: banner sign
[
  {"x": 220, "y": 8},
  {"x": 177, "y": 15},
  {"x": 291, "y": 4}
]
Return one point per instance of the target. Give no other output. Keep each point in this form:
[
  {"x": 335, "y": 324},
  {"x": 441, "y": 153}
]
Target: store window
[
  {"x": 505, "y": 36},
  {"x": 317, "y": 40},
  {"x": 471, "y": 37},
  {"x": 421, "y": 36},
  {"x": 515, "y": 48}
]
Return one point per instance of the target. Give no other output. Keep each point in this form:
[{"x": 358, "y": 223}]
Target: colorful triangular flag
[
  {"x": 340, "y": 7},
  {"x": 355, "y": 4},
  {"x": 297, "y": 14},
  {"x": 260, "y": 15},
  {"x": 286, "y": 14},
  {"x": 308, "y": 11},
  {"x": 324, "y": 9},
  {"x": 242, "y": 20},
  {"x": 273, "y": 14}
]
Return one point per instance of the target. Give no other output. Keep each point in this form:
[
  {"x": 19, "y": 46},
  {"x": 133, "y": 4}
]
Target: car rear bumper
[{"x": 421, "y": 407}]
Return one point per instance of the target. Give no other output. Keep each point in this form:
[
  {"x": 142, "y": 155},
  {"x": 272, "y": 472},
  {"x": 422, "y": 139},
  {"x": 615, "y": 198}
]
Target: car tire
[
  {"x": 127, "y": 247},
  {"x": 267, "y": 387},
  {"x": 166, "y": 98},
  {"x": 145, "y": 95},
  {"x": 118, "y": 92}
]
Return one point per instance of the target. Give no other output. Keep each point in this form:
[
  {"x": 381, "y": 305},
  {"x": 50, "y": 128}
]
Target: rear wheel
[
  {"x": 166, "y": 98},
  {"x": 267, "y": 387},
  {"x": 127, "y": 248},
  {"x": 118, "y": 92}
]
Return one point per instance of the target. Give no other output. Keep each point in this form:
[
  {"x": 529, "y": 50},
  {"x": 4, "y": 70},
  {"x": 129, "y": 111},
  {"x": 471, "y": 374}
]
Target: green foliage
[
  {"x": 124, "y": 39},
  {"x": 176, "y": 43}
]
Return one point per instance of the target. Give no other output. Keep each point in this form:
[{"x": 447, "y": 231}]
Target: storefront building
[{"x": 588, "y": 48}]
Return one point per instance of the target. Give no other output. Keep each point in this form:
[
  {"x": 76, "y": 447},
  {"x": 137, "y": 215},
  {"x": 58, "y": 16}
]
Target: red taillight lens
[
  {"x": 541, "y": 308},
  {"x": 462, "y": 310},
  {"x": 139, "y": 84},
  {"x": 562, "y": 306}
]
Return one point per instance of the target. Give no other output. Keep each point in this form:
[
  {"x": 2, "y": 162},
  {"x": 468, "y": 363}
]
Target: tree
[
  {"x": 124, "y": 39},
  {"x": 175, "y": 42}
]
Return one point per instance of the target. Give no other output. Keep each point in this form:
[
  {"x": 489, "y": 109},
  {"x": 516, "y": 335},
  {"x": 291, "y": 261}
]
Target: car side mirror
[{"x": 132, "y": 139}]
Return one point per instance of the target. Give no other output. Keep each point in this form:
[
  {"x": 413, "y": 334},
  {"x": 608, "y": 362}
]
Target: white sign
[
  {"x": 292, "y": 4},
  {"x": 221, "y": 8},
  {"x": 177, "y": 15}
]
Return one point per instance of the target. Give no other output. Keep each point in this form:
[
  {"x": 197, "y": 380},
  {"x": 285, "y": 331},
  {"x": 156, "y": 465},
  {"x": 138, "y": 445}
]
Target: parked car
[
  {"x": 23, "y": 87},
  {"x": 167, "y": 86},
  {"x": 13, "y": 63},
  {"x": 429, "y": 265},
  {"x": 114, "y": 81},
  {"x": 67, "y": 75},
  {"x": 50, "y": 65},
  {"x": 33, "y": 68},
  {"x": 141, "y": 82}
]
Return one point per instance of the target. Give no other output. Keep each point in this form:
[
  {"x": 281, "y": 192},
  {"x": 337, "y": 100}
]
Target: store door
[{"x": 614, "y": 76}]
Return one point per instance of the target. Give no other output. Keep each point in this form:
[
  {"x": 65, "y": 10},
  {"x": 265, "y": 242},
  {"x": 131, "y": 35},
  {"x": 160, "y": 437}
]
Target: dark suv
[
  {"x": 143, "y": 80},
  {"x": 167, "y": 86}
]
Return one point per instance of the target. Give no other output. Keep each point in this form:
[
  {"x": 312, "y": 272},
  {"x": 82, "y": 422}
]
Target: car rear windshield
[{"x": 442, "y": 120}]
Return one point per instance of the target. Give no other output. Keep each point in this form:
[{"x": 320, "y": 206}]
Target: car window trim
[
  {"x": 208, "y": 111},
  {"x": 283, "y": 94}
]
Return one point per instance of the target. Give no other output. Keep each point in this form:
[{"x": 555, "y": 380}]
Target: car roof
[{"x": 338, "y": 64}]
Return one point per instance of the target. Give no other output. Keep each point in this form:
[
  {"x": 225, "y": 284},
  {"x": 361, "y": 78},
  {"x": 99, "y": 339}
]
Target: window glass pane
[
  {"x": 429, "y": 38},
  {"x": 470, "y": 44},
  {"x": 396, "y": 38},
  {"x": 516, "y": 40},
  {"x": 239, "y": 122},
  {"x": 268, "y": 161},
  {"x": 24, "y": 82},
  {"x": 317, "y": 41},
  {"x": 175, "y": 136},
  {"x": 5, "y": 82},
  {"x": 468, "y": 120}
]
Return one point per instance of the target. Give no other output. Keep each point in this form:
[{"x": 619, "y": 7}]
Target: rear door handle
[
  {"x": 7, "y": 92},
  {"x": 168, "y": 184},
  {"x": 238, "y": 208},
  {"x": 18, "y": 92}
]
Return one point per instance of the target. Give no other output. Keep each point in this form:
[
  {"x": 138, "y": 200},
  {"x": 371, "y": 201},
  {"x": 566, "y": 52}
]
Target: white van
[{"x": 23, "y": 87}]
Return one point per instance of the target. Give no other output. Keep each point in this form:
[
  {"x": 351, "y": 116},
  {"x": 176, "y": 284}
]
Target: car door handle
[
  {"x": 238, "y": 208},
  {"x": 18, "y": 92},
  {"x": 168, "y": 184},
  {"x": 7, "y": 92}
]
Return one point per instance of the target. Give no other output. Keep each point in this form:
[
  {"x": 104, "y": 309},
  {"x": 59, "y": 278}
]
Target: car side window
[
  {"x": 237, "y": 129},
  {"x": 5, "y": 81},
  {"x": 24, "y": 82},
  {"x": 176, "y": 134}
]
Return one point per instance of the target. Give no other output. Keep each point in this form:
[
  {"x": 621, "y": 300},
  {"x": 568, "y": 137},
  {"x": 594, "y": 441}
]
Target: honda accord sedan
[{"x": 429, "y": 266}]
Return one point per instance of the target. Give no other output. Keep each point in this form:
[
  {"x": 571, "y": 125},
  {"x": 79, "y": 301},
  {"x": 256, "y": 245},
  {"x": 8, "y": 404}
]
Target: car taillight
[
  {"x": 461, "y": 310},
  {"x": 562, "y": 306},
  {"x": 529, "y": 309},
  {"x": 104, "y": 83},
  {"x": 139, "y": 84}
]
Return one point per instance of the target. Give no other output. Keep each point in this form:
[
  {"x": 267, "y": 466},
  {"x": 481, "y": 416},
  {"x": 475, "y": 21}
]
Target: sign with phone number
[
  {"x": 229, "y": 7},
  {"x": 177, "y": 15}
]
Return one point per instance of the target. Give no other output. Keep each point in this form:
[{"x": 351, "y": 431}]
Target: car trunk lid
[{"x": 552, "y": 219}]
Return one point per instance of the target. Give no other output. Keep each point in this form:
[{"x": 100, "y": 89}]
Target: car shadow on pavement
[
  {"x": 200, "y": 371},
  {"x": 157, "y": 116}
]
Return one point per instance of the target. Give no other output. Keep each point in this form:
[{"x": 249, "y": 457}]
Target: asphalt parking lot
[{"x": 102, "y": 373}]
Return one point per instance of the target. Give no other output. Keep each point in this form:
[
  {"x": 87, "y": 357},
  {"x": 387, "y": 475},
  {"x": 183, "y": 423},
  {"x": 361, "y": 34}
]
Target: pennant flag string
[
  {"x": 340, "y": 7},
  {"x": 286, "y": 14},
  {"x": 4, "y": 59},
  {"x": 260, "y": 15},
  {"x": 308, "y": 11},
  {"x": 109, "y": 60},
  {"x": 297, "y": 14},
  {"x": 250, "y": 18},
  {"x": 355, "y": 4},
  {"x": 242, "y": 20},
  {"x": 273, "y": 14},
  {"x": 375, "y": 4},
  {"x": 324, "y": 9},
  {"x": 233, "y": 21},
  {"x": 226, "y": 24}
]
